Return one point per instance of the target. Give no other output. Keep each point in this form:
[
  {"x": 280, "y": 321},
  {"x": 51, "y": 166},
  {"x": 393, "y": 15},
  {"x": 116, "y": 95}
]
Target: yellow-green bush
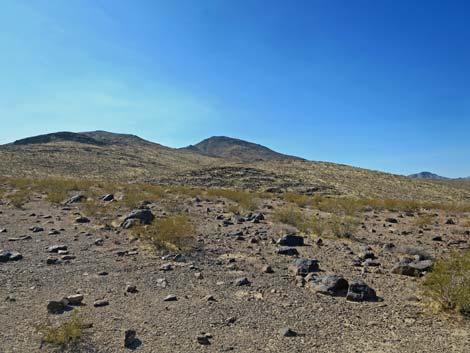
[
  {"x": 290, "y": 215},
  {"x": 248, "y": 201},
  {"x": 447, "y": 287},
  {"x": 64, "y": 334},
  {"x": 343, "y": 226},
  {"x": 172, "y": 233},
  {"x": 424, "y": 219}
]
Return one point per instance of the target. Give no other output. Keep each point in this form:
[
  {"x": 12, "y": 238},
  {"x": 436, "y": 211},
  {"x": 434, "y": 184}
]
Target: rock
[
  {"x": 291, "y": 240},
  {"x": 329, "y": 284},
  {"x": 7, "y": 255},
  {"x": 3, "y": 230},
  {"x": 99, "y": 241},
  {"x": 437, "y": 238},
  {"x": 287, "y": 332},
  {"x": 302, "y": 267},
  {"x": 36, "y": 229},
  {"x": 100, "y": 303},
  {"x": 285, "y": 250},
  {"x": 68, "y": 257},
  {"x": 170, "y": 298},
  {"x": 204, "y": 340},
  {"x": 198, "y": 275},
  {"x": 131, "y": 289},
  {"x": 75, "y": 198},
  {"x": 268, "y": 269},
  {"x": 209, "y": 298},
  {"x": 75, "y": 299},
  {"x": 388, "y": 247},
  {"x": 129, "y": 338},
  {"x": 450, "y": 221},
  {"x": 144, "y": 215},
  {"x": 56, "y": 248},
  {"x": 391, "y": 220},
  {"x": 358, "y": 291},
  {"x": 55, "y": 306},
  {"x": 412, "y": 268},
  {"x": 82, "y": 219},
  {"x": 242, "y": 282},
  {"x": 53, "y": 232},
  {"x": 129, "y": 223},
  {"x": 52, "y": 261},
  {"x": 107, "y": 197}
]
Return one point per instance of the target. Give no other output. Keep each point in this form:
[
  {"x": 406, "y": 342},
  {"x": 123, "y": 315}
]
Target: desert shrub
[
  {"x": 315, "y": 225},
  {"x": 19, "y": 198},
  {"x": 172, "y": 233},
  {"x": 343, "y": 226},
  {"x": 298, "y": 199},
  {"x": 340, "y": 206},
  {"x": 447, "y": 287},
  {"x": 64, "y": 334},
  {"x": 290, "y": 215},
  {"x": 424, "y": 219},
  {"x": 135, "y": 194},
  {"x": 248, "y": 201}
]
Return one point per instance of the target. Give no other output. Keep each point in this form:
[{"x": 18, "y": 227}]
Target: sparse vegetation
[
  {"x": 447, "y": 287},
  {"x": 290, "y": 215},
  {"x": 425, "y": 219},
  {"x": 248, "y": 201},
  {"x": 64, "y": 334},
  {"x": 172, "y": 233},
  {"x": 343, "y": 226}
]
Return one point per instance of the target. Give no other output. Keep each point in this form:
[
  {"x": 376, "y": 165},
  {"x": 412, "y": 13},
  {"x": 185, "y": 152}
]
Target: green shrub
[
  {"x": 172, "y": 233},
  {"x": 424, "y": 219},
  {"x": 447, "y": 287}
]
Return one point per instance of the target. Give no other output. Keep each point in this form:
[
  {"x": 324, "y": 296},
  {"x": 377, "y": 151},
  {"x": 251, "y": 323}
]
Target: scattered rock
[
  {"x": 36, "y": 229},
  {"x": 170, "y": 298},
  {"x": 131, "y": 289},
  {"x": 268, "y": 269},
  {"x": 242, "y": 282},
  {"x": 408, "y": 267},
  {"x": 287, "y": 332},
  {"x": 99, "y": 241},
  {"x": 100, "y": 303},
  {"x": 391, "y": 220},
  {"x": 330, "y": 285},
  {"x": 437, "y": 238},
  {"x": 82, "y": 219},
  {"x": 107, "y": 197},
  {"x": 450, "y": 221},
  {"x": 204, "y": 340},
  {"x": 285, "y": 250},
  {"x": 145, "y": 216},
  {"x": 129, "y": 338},
  {"x": 75, "y": 299},
  {"x": 359, "y": 291},
  {"x": 302, "y": 267},
  {"x": 291, "y": 240},
  {"x": 56, "y": 248},
  {"x": 57, "y": 306},
  {"x": 75, "y": 198}
]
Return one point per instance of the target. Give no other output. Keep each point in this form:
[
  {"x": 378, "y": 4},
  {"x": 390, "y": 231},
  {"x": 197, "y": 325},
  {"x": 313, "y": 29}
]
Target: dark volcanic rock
[
  {"x": 302, "y": 267},
  {"x": 330, "y": 285},
  {"x": 286, "y": 250},
  {"x": 412, "y": 268},
  {"x": 359, "y": 291},
  {"x": 291, "y": 240},
  {"x": 145, "y": 216}
]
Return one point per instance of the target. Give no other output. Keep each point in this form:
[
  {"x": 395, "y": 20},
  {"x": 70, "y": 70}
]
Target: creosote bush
[
  {"x": 172, "y": 233},
  {"x": 447, "y": 287},
  {"x": 248, "y": 201},
  {"x": 64, "y": 334},
  {"x": 290, "y": 215},
  {"x": 343, "y": 226},
  {"x": 424, "y": 219}
]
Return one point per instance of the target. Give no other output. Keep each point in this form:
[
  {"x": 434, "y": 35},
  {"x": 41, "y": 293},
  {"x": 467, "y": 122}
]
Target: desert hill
[{"x": 214, "y": 162}]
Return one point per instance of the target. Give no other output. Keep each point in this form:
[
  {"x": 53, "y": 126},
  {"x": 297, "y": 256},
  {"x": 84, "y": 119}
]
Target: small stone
[
  {"x": 107, "y": 197},
  {"x": 204, "y": 340},
  {"x": 170, "y": 298},
  {"x": 359, "y": 291},
  {"x": 100, "y": 303},
  {"x": 242, "y": 282},
  {"x": 198, "y": 275},
  {"x": 68, "y": 257},
  {"x": 131, "y": 289},
  {"x": 56, "y": 306},
  {"x": 52, "y": 261},
  {"x": 268, "y": 269},
  {"x": 209, "y": 298},
  {"x": 36, "y": 229},
  {"x": 391, "y": 220},
  {"x": 129, "y": 337},
  {"x": 289, "y": 251},
  {"x": 287, "y": 332},
  {"x": 99, "y": 241},
  {"x": 56, "y": 248},
  {"x": 75, "y": 299},
  {"x": 82, "y": 219},
  {"x": 54, "y": 232},
  {"x": 450, "y": 221},
  {"x": 437, "y": 238}
]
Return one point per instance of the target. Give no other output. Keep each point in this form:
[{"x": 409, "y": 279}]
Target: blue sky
[{"x": 380, "y": 84}]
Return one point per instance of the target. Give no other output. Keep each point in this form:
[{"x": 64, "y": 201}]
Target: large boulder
[
  {"x": 329, "y": 284},
  {"x": 302, "y": 267},
  {"x": 359, "y": 291},
  {"x": 291, "y": 240},
  {"x": 412, "y": 268},
  {"x": 144, "y": 215}
]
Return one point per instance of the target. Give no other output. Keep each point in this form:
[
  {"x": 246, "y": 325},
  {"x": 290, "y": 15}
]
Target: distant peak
[{"x": 427, "y": 175}]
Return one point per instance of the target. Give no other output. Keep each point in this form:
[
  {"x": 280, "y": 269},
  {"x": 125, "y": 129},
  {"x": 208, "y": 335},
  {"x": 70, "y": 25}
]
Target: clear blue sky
[{"x": 380, "y": 84}]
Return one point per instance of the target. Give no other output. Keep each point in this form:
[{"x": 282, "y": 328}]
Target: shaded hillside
[
  {"x": 427, "y": 175},
  {"x": 221, "y": 162}
]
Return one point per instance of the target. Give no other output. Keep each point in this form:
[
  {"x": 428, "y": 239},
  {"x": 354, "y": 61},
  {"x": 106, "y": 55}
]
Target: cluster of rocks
[
  {"x": 356, "y": 290},
  {"x": 8, "y": 255}
]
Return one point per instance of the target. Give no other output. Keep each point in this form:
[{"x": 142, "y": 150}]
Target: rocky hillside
[{"x": 217, "y": 161}]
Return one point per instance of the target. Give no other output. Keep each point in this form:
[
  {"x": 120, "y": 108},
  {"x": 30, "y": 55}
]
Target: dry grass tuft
[
  {"x": 64, "y": 334},
  {"x": 172, "y": 233}
]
